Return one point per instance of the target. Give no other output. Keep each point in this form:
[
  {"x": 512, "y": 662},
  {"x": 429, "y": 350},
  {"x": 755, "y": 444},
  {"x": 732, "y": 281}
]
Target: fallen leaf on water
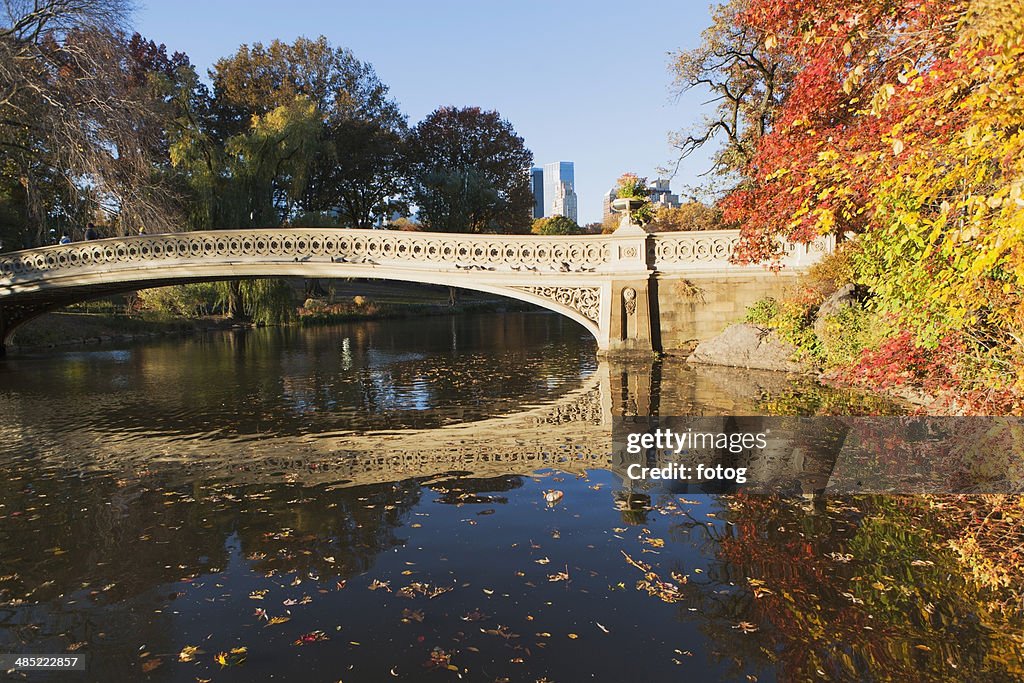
[
  {"x": 502, "y": 631},
  {"x": 602, "y": 627},
  {"x": 188, "y": 653},
  {"x": 553, "y": 496},
  {"x": 439, "y": 659},
  {"x": 233, "y": 658},
  {"x": 560, "y": 576},
  {"x": 258, "y": 595},
  {"x": 409, "y": 615},
  {"x": 573, "y": 636},
  {"x": 277, "y": 620},
  {"x": 746, "y": 627},
  {"x": 311, "y": 637},
  {"x": 151, "y": 664}
]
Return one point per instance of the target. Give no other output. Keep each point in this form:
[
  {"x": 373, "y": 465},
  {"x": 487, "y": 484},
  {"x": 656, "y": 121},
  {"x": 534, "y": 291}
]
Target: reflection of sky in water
[
  {"x": 346, "y": 353},
  {"x": 113, "y": 356},
  {"x": 376, "y": 357}
]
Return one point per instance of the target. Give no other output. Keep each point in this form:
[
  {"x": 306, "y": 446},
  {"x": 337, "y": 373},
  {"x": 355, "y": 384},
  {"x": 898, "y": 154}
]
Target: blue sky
[{"x": 579, "y": 81}]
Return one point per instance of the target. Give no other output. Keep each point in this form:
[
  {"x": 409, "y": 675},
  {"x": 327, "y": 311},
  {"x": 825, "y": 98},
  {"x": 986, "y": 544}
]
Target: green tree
[
  {"x": 469, "y": 172},
  {"x": 357, "y": 166},
  {"x": 556, "y": 225},
  {"x": 251, "y": 180}
]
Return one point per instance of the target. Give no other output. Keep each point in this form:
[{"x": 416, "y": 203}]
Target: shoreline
[{"x": 103, "y": 328}]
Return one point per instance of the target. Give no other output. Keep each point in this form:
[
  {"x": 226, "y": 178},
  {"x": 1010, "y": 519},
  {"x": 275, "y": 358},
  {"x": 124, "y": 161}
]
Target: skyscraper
[
  {"x": 537, "y": 185},
  {"x": 559, "y": 190},
  {"x": 661, "y": 194}
]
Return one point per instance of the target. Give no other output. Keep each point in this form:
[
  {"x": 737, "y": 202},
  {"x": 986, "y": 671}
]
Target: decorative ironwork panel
[{"x": 584, "y": 300}]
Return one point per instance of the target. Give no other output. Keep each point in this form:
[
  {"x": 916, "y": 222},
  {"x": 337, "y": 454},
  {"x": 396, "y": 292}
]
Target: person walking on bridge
[{"x": 90, "y": 232}]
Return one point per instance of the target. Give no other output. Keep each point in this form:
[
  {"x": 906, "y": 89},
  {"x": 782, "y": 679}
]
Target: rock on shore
[{"x": 748, "y": 346}]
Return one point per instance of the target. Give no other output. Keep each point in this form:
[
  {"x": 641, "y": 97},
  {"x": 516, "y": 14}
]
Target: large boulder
[
  {"x": 840, "y": 299},
  {"x": 748, "y": 346}
]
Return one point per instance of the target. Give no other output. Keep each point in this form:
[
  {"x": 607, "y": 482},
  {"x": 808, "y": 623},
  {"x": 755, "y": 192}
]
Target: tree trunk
[{"x": 236, "y": 309}]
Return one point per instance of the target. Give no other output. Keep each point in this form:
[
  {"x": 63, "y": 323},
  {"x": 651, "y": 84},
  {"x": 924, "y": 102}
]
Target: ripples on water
[{"x": 193, "y": 494}]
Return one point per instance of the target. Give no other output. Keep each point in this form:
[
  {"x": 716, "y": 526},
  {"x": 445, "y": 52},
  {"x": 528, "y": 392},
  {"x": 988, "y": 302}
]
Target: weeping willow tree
[
  {"x": 251, "y": 179},
  {"x": 265, "y": 301}
]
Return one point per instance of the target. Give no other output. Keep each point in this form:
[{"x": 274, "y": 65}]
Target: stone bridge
[{"x": 635, "y": 292}]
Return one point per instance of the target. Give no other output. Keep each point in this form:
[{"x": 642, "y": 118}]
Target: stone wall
[{"x": 698, "y": 307}]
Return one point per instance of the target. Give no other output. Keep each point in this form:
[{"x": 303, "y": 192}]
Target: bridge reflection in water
[{"x": 582, "y": 430}]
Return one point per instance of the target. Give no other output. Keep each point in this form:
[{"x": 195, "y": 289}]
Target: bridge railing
[
  {"x": 434, "y": 250},
  {"x": 667, "y": 252},
  {"x": 711, "y": 250}
]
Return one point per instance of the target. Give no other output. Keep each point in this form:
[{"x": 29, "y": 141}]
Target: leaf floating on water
[
  {"x": 542, "y": 560},
  {"x": 600, "y": 626},
  {"x": 440, "y": 659},
  {"x": 502, "y": 631},
  {"x": 560, "y": 576},
  {"x": 188, "y": 653},
  {"x": 409, "y": 615},
  {"x": 233, "y": 658},
  {"x": 417, "y": 588},
  {"x": 757, "y": 586},
  {"x": 311, "y": 637},
  {"x": 852, "y": 598},
  {"x": 475, "y": 615},
  {"x": 151, "y": 664},
  {"x": 552, "y": 496},
  {"x": 277, "y": 620},
  {"x": 573, "y": 636},
  {"x": 377, "y": 584},
  {"x": 841, "y": 557},
  {"x": 746, "y": 627},
  {"x": 258, "y": 595}
]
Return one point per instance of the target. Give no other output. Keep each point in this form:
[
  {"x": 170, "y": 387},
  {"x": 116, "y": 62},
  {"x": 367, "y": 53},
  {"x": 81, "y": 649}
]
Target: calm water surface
[{"x": 367, "y": 503}]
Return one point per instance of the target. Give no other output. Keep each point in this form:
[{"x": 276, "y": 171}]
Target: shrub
[
  {"x": 762, "y": 312},
  {"x": 834, "y": 270},
  {"x": 791, "y": 319},
  {"x": 793, "y": 324},
  {"x": 191, "y": 301},
  {"x": 848, "y": 333}
]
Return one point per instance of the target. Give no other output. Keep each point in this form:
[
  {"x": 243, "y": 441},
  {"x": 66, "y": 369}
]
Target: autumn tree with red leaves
[{"x": 902, "y": 126}]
